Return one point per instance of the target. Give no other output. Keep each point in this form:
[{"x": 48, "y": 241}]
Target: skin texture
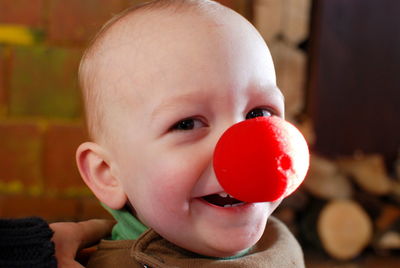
[{"x": 212, "y": 71}]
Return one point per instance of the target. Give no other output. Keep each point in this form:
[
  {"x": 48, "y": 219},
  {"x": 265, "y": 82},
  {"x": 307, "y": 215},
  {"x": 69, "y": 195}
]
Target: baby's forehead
[
  {"x": 141, "y": 46},
  {"x": 133, "y": 33},
  {"x": 136, "y": 24},
  {"x": 145, "y": 36}
]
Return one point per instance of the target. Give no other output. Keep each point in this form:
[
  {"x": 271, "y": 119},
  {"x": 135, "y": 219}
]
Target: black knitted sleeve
[{"x": 26, "y": 243}]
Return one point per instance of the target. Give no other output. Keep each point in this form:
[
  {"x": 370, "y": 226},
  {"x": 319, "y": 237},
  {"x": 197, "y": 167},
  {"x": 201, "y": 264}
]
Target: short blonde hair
[{"x": 93, "y": 99}]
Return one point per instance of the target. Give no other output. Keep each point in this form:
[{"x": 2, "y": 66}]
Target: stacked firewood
[
  {"x": 285, "y": 27},
  {"x": 347, "y": 206}
]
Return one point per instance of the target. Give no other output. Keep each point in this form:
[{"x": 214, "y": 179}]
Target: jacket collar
[{"x": 276, "y": 248}]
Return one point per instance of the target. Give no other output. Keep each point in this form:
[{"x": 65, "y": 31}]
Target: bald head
[{"x": 145, "y": 38}]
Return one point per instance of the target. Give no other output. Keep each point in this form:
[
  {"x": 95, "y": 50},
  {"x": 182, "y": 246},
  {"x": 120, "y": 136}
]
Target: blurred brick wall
[{"x": 41, "y": 121}]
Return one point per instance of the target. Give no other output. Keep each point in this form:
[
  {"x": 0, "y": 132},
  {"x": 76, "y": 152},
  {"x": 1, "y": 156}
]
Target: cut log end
[
  {"x": 368, "y": 171},
  {"x": 344, "y": 229},
  {"x": 325, "y": 181}
]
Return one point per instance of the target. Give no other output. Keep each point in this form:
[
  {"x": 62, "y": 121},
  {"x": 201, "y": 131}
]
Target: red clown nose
[{"x": 261, "y": 159}]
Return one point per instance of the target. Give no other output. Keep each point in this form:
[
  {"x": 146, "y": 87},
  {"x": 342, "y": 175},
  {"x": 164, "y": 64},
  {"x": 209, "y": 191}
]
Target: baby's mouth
[{"x": 222, "y": 200}]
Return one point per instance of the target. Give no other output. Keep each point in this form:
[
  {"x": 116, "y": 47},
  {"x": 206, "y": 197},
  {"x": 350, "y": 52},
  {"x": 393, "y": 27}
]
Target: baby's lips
[{"x": 261, "y": 160}]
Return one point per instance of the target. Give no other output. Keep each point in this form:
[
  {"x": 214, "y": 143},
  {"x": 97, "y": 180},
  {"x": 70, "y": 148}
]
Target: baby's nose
[{"x": 261, "y": 160}]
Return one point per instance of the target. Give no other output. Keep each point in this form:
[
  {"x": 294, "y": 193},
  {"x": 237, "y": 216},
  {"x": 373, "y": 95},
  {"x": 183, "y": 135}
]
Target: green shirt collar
[{"x": 127, "y": 226}]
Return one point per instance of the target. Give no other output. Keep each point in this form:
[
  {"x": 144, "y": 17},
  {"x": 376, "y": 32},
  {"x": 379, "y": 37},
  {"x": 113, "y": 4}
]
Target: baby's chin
[
  {"x": 224, "y": 246},
  {"x": 237, "y": 242}
]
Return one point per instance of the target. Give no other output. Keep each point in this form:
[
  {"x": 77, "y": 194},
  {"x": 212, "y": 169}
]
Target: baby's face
[{"x": 193, "y": 83}]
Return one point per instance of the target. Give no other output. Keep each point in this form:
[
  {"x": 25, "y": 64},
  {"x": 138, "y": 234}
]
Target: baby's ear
[{"x": 96, "y": 172}]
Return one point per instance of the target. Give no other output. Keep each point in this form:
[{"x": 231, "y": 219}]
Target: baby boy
[{"x": 161, "y": 83}]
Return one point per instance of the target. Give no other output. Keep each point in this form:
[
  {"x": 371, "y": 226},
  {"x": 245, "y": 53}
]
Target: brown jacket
[{"x": 277, "y": 248}]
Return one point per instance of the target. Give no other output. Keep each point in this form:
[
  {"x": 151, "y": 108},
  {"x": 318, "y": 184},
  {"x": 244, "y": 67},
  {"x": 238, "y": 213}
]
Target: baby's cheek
[{"x": 175, "y": 174}]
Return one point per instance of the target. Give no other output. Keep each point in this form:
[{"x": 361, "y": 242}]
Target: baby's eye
[
  {"x": 187, "y": 124},
  {"x": 258, "y": 112}
]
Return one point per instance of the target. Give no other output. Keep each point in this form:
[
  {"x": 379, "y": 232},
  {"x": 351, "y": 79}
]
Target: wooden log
[
  {"x": 389, "y": 240},
  {"x": 324, "y": 180},
  {"x": 387, "y": 225},
  {"x": 389, "y": 215},
  {"x": 344, "y": 229},
  {"x": 368, "y": 171},
  {"x": 386, "y": 221},
  {"x": 296, "y": 19},
  {"x": 268, "y": 18},
  {"x": 290, "y": 66},
  {"x": 306, "y": 127}
]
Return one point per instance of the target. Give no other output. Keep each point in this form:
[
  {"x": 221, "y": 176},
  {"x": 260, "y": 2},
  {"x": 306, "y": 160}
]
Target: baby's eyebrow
[
  {"x": 173, "y": 102},
  {"x": 274, "y": 91}
]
